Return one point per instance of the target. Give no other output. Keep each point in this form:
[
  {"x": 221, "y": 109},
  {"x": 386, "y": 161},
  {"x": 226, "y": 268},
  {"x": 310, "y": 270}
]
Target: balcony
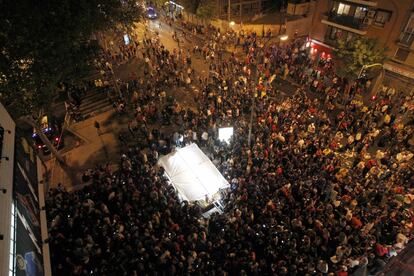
[
  {"x": 346, "y": 22},
  {"x": 406, "y": 39},
  {"x": 368, "y": 3}
]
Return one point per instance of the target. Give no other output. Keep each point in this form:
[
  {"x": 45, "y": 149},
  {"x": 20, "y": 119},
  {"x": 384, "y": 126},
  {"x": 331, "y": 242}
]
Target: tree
[
  {"x": 206, "y": 9},
  {"x": 277, "y": 5},
  {"x": 353, "y": 55},
  {"x": 44, "y": 43},
  {"x": 47, "y": 42},
  {"x": 191, "y": 5},
  {"x": 158, "y": 3}
]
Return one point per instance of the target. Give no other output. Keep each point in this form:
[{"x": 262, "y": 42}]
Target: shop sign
[{"x": 399, "y": 70}]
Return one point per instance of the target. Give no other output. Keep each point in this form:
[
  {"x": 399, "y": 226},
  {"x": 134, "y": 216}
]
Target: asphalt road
[{"x": 283, "y": 88}]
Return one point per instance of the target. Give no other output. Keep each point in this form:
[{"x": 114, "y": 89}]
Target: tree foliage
[
  {"x": 206, "y": 9},
  {"x": 46, "y": 42},
  {"x": 157, "y": 3},
  {"x": 190, "y": 5},
  {"x": 352, "y": 55},
  {"x": 277, "y": 5}
]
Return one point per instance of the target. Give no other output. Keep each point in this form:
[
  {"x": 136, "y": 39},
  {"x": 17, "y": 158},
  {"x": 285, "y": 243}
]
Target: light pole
[
  {"x": 249, "y": 137},
  {"x": 283, "y": 37},
  {"x": 254, "y": 90},
  {"x": 367, "y": 66},
  {"x": 228, "y": 10}
]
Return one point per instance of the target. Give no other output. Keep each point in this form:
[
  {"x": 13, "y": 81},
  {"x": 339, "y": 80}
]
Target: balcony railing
[
  {"x": 369, "y": 3},
  {"x": 298, "y": 1},
  {"x": 346, "y": 20},
  {"x": 406, "y": 39},
  {"x": 331, "y": 42}
]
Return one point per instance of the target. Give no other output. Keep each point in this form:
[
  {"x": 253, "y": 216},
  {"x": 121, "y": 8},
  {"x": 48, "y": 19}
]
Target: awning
[{"x": 322, "y": 47}]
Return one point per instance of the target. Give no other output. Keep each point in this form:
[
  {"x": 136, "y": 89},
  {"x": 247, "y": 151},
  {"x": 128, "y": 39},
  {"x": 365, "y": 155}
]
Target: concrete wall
[
  {"x": 298, "y": 9},
  {"x": 246, "y": 7},
  {"x": 258, "y": 28},
  {"x": 6, "y": 182},
  {"x": 410, "y": 59},
  {"x": 318, "y": 29},
  {"x": 300, "y": 27}
]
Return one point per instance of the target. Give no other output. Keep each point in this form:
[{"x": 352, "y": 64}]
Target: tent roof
[{"x": 192, "y": 173}]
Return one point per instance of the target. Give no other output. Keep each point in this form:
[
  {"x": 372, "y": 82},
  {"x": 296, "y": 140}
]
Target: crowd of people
[{"x": 324, "y": 187}]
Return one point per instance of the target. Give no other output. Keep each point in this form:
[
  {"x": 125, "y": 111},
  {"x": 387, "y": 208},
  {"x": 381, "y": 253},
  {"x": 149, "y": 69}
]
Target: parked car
[
  {"x": 52, "y": 130},
  {"x": 151, "y": 13}
]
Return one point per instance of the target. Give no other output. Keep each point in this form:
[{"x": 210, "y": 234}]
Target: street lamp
[
  {"x": 232, "y": 23},
  {"x": 367, "y": 66},
  {"x": 283, "y": 37},
  {"x": 254, "y": 90},
  {"x": 228, "y": 10}
]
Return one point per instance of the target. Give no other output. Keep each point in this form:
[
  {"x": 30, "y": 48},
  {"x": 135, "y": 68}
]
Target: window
[
  {"x": 343, "y": 9},
  {"x": 402, "y": 54},
  {"x": 334, "y": 33},
  {"x": 360, "y": 12},
  {"x": 349, "y": 36},
  {"x": 382, "y": 17},
  {"x": 407, "y": 36}
]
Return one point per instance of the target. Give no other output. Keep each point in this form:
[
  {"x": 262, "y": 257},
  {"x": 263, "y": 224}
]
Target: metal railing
[
  {"x": 346, "y": 20},
  {"x": 406, "y": 38},
  {"x": 298, "y": 1}
]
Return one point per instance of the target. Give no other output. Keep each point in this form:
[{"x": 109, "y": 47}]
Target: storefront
[
  {"x": 399, "y": 77},
  {"x": 22, "y": 221},
  {"x": 318, "y": 51}
]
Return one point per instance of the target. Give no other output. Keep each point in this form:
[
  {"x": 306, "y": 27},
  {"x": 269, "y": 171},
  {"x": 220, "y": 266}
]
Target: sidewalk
[{"x": 94, "y": 150}]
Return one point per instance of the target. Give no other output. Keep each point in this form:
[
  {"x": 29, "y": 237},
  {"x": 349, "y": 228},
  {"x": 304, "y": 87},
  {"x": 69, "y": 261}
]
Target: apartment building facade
[
  {"x": 24, "y": 249},
  {"x": 389, "y": 21},
  {"x": 240, "y": 8}
]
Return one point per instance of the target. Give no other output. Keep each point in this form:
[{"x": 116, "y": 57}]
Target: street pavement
[
  {"x": 91, "y": 151},
  {"x": 86, "y": 149}
]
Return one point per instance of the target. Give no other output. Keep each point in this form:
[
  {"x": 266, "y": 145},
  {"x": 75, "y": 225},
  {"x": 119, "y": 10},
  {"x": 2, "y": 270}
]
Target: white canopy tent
[{"x": 192, "y": 173}]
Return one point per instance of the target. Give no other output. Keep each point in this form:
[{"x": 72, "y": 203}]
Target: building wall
[
  {"x": 318, "y": 29},
  {"x": 6, "y": 182},
  {"x": 410, "y": 59},
  {"x": 249, "y": 7},
  {"x": 399, "y": 69},
  {"x": 22, "y": 222},
  {"x": 299, "y": 27},
  {"x": 389, "y": 34}
]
